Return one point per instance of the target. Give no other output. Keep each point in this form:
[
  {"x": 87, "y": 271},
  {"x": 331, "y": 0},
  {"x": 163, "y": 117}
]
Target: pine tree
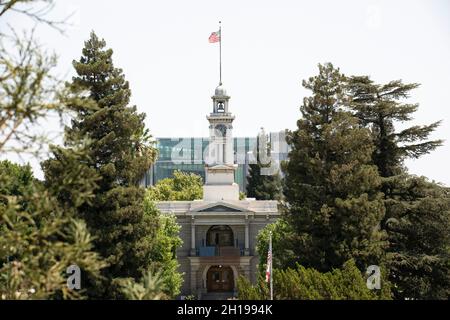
[
  {"x": 331, "y": 187},
  {"x": 39, "y": 239},
  {"x": 419, "y": 236},
  {"x": 263, "y": 182},
  {"x": 119, "y": 153},
  {"x": 417, "y": 211}
]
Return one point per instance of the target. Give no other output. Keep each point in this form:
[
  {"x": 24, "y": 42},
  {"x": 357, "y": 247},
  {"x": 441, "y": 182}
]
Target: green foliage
[
  {"x": 302, "y": 283},
  {"x": 166, "y": 242},
  {"x": 417, "y": 212},
  {"x": 28, "y": 93},
  {"x": 118, "y": 153},
  {"x": 331, "y": 187},
  {"x": 282, "y": 244},
  {"x": 39, "y": 240},
  {"x": 15, "y": 180},
  {"x": 263, "y": 187},
  {"x": 379, "y": 107},
  {"x": 69, "y": 178},
  {"x": 151, "y": 287},
  {"x": 120, "y": 144},
  {"x": 247, "y": 291},
  {"x": 182, "y": 187},
  {"x": 419, "y": 233},
  {"x": 264, "y": 182}
]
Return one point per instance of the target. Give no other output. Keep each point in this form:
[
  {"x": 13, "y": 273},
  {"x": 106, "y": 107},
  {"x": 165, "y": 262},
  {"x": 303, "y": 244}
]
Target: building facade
[
  {"x": 219, "y": 231},
  {"x": 188, "y": 154}
]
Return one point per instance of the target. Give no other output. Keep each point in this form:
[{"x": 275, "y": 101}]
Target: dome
[{"x": 220, "y": 91}]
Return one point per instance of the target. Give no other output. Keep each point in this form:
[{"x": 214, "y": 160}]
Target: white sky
[{"x": 268, "y": 48}]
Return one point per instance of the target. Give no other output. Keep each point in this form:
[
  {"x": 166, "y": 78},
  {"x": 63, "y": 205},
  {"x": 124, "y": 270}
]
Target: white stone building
[{"x": 219, "y": 232}]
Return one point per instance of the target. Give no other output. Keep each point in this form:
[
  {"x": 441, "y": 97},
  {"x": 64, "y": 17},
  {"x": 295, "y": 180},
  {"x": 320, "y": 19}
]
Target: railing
[{"x": 215, "y": 251}]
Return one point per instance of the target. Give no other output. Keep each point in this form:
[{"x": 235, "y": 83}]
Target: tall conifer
[
  {"x": 264, "y": 181},
  {"x": 119, "y": 152},
  {"x": 331, "y": 187},
  {"x": 417, "y": 216}
]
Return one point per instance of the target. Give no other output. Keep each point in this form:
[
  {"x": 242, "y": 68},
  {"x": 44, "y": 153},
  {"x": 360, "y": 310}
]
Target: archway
[
  {"x": 220, "y": 236},
  {"x": 220, "y": 279}
]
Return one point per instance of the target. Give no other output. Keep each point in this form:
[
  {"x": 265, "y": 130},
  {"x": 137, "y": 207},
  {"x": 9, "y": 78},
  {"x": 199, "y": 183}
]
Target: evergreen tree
[
  {"x": 299, "y": 283},
  {"x": 331, "y": 187},
  {"x": 419, "y": 234},
  {"x": 263, "y": 183},
  {"x": 283, "y": 243},
  {"x": 379, "y": 107},
  {"x": 28, "y": 86},
  {"x": 15, "y": 180},
  {"x": 119, "y": 153},
  {"x": 151, "y": 287},
  {"x": 39, "y": 239},
  {"x": 417, "y": 211}
]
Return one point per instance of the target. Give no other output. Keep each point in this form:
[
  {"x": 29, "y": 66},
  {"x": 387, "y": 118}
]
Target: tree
[
  {"x": 181, "y": 187},
  {"x": 119, "y": 153},
  {"x": 151, "y": 287},
  {"x": 39, "y": 240},
  {"x": 15, "y": 180},
  {"x": 419, "y": 236},
  {"x": 378, "y": 107},
  {"x": 263, "y": 183},
  {"x": 417, "y": 216},
  {"x": 283, "y": 245},
  {"x": 303, "y": 283},
  {"x": 331, "y": 187},
  {"x": 38, "y": 237},
  {"x": 29, "y": 91},
  {"x": 36, "y": 10},
  {"x": 167, "y": 241}
]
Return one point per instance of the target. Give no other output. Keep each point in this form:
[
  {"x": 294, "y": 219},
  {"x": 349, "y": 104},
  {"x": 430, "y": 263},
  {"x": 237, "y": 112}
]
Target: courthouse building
[{"x": 219, "y": 231}]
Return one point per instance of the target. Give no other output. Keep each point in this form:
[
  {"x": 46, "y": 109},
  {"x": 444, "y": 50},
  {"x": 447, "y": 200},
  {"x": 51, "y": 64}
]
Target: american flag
[
  {"x": 214, "y": 37},
  {"x": 269, "y": 262}
]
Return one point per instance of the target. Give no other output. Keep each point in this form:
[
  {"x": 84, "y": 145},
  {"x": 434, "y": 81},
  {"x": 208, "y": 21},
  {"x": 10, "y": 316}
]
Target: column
[
  {"x": 193, "y": 250},
  {"x": 247, "y": 238},
  {"x": 194, "y": 273}
]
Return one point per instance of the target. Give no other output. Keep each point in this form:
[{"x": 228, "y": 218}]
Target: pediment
[{"x": 220, "y": 207}]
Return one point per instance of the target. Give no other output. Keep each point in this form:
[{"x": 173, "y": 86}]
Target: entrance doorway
[{"x": 220, "y": 279}]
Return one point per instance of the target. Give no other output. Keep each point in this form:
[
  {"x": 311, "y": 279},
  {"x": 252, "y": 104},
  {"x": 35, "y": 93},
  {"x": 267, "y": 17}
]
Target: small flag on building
[
  {"x": 214, "y": 37},
  {"x": 269, "y": 261}
]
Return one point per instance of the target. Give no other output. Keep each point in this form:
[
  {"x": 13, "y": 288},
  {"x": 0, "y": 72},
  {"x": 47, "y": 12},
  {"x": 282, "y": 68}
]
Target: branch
[{"x": 38, "y": 14}]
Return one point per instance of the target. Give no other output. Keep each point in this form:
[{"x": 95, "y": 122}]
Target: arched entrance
[
  {"x": 219, "y": 279},
  {"x": 219, "y": 236}
]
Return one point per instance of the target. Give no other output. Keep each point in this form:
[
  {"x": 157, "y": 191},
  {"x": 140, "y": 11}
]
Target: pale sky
[{"x": 268, "y": 47}]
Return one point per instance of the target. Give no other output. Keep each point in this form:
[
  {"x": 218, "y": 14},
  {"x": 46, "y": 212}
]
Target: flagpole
[
  {"x": 220, "y": 53},
  {"x": 271, "y": 264}
]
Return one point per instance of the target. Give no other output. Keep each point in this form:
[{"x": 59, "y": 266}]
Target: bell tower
[
  {"x": 220, "y": 166},
  {"x": 220, "y": 129}
]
